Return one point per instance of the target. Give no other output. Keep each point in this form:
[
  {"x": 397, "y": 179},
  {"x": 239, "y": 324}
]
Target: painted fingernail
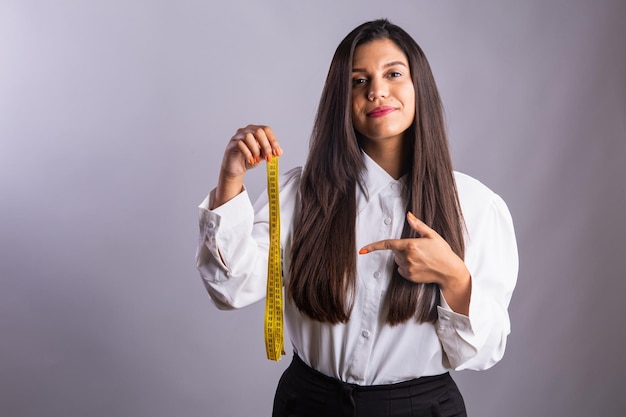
[
  {"x": 251, "y": 161},
  {"x": 268, "y": 157},
  {"x": 411, "y": 216},
  {"x": 258, "y": 159},
  {"x": 363, "y": 251}
]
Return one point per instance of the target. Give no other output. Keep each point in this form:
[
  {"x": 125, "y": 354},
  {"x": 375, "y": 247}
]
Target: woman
[{"x": 397, "y": 269}]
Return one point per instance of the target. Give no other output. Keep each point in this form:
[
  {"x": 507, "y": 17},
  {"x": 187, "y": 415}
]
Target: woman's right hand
[{"x": 245, "y": 150}]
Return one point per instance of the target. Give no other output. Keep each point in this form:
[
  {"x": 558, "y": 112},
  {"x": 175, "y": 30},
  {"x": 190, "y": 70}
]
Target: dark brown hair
[{"x": 323, "y": 267}]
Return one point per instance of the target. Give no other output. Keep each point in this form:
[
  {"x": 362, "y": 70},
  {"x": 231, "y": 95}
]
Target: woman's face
[{"x": 383, "y": 96}]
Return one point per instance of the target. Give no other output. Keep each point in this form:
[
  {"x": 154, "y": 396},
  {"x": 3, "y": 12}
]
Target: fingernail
[
  {"x": 411, "y": 216},
  {"x": 363, "y": 251},
  {"x": 251, "y": 161},
  {"x": 258, "y": 159},
  {"x": 268, "y": 157}
]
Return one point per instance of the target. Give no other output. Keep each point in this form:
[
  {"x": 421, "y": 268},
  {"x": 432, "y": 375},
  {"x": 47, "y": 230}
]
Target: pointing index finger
[{"x": 387, "y": 244}]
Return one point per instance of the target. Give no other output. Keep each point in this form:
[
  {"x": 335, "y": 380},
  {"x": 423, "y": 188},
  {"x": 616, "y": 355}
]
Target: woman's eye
[
  {"x": 395, "y": 74},
  {"x": 358, "y": 81}
]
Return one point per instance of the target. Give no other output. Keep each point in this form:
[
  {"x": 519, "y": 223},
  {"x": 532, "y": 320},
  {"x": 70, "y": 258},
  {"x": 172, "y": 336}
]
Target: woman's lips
[{"x": 381, "y": 111}]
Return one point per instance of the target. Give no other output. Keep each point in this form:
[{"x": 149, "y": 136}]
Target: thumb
[{"x": 418, "y": 225}]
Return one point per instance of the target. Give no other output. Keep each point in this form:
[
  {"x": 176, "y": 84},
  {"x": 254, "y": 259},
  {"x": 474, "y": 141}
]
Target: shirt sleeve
[
  {"x": 478, "y": 341},
  {"x": 233, "y": 244}
]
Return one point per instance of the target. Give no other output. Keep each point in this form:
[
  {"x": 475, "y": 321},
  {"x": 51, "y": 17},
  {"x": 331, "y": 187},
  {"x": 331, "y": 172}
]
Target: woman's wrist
[
  {"x": 227, "y": 189},
  {"x": 457, "y": 289}
]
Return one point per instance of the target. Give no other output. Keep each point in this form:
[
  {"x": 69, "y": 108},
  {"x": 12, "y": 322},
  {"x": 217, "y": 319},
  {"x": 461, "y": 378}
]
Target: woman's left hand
[{"x": 429, "y": 259}]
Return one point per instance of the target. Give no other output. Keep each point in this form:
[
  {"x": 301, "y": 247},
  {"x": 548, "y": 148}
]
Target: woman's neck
[{"x": 394, "y": 158}]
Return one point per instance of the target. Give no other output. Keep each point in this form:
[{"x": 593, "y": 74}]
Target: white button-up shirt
[{"x": 232, "y": 260}]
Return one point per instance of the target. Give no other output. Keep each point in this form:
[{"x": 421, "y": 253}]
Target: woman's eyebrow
[{"x": 390, "y": 64}]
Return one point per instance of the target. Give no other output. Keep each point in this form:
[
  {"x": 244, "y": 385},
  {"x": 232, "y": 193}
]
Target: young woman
[{"x": 397, "y": 269}]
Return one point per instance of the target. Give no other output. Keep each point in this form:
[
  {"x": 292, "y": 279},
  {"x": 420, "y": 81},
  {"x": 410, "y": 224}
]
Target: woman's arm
[
  {"x": 473, "y": 322},
  {"x": 231, "y": 261}
]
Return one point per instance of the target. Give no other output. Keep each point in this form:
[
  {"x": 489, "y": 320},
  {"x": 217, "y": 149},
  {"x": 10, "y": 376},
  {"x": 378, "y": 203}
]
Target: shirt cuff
[
  {"x": 461, "y": 336},
  {"x": 228, "y": 214},
  {"x": 449, "y": 319},
  {"x": 234, "y": 215}
]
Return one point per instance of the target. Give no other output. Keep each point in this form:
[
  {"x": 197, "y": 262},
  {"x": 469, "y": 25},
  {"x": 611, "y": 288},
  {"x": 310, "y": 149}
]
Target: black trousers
[{"x": 305, "y": 392}]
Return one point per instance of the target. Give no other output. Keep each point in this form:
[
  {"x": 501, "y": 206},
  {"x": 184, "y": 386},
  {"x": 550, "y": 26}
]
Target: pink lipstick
[{"x": 381, "y": 111}]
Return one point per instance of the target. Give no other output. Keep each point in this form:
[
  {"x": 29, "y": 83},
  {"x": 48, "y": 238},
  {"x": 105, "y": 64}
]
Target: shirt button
[
  {"x": 211, "y": 224},
  {"x": 365, "y": 334},
  {"x": 376, "y": 274},
  {"x": 387, "y": 221}
]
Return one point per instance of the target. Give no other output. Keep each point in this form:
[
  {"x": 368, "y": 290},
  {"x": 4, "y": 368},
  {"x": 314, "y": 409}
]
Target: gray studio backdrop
[{"x": 113, "y": 119}]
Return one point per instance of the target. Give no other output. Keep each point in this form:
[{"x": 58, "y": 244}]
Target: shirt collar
[{"x": 375, "y": 179}]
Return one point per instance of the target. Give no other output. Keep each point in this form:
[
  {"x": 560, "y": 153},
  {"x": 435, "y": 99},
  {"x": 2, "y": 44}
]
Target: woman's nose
[{"x": 378, "y": 89}]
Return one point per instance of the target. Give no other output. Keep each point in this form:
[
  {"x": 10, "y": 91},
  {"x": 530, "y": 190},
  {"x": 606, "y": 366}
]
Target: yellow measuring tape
[{"x": 274, "y": 338}]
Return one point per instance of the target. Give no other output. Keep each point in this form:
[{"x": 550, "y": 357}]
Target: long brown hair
[{"x": 323, "y": 267}]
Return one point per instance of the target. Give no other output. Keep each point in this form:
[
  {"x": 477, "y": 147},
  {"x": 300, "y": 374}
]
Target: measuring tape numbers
[{"x": 274, "y": 339}]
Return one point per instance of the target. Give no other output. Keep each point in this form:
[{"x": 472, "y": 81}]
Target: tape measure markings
[{"x": 274, "y": 338}]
